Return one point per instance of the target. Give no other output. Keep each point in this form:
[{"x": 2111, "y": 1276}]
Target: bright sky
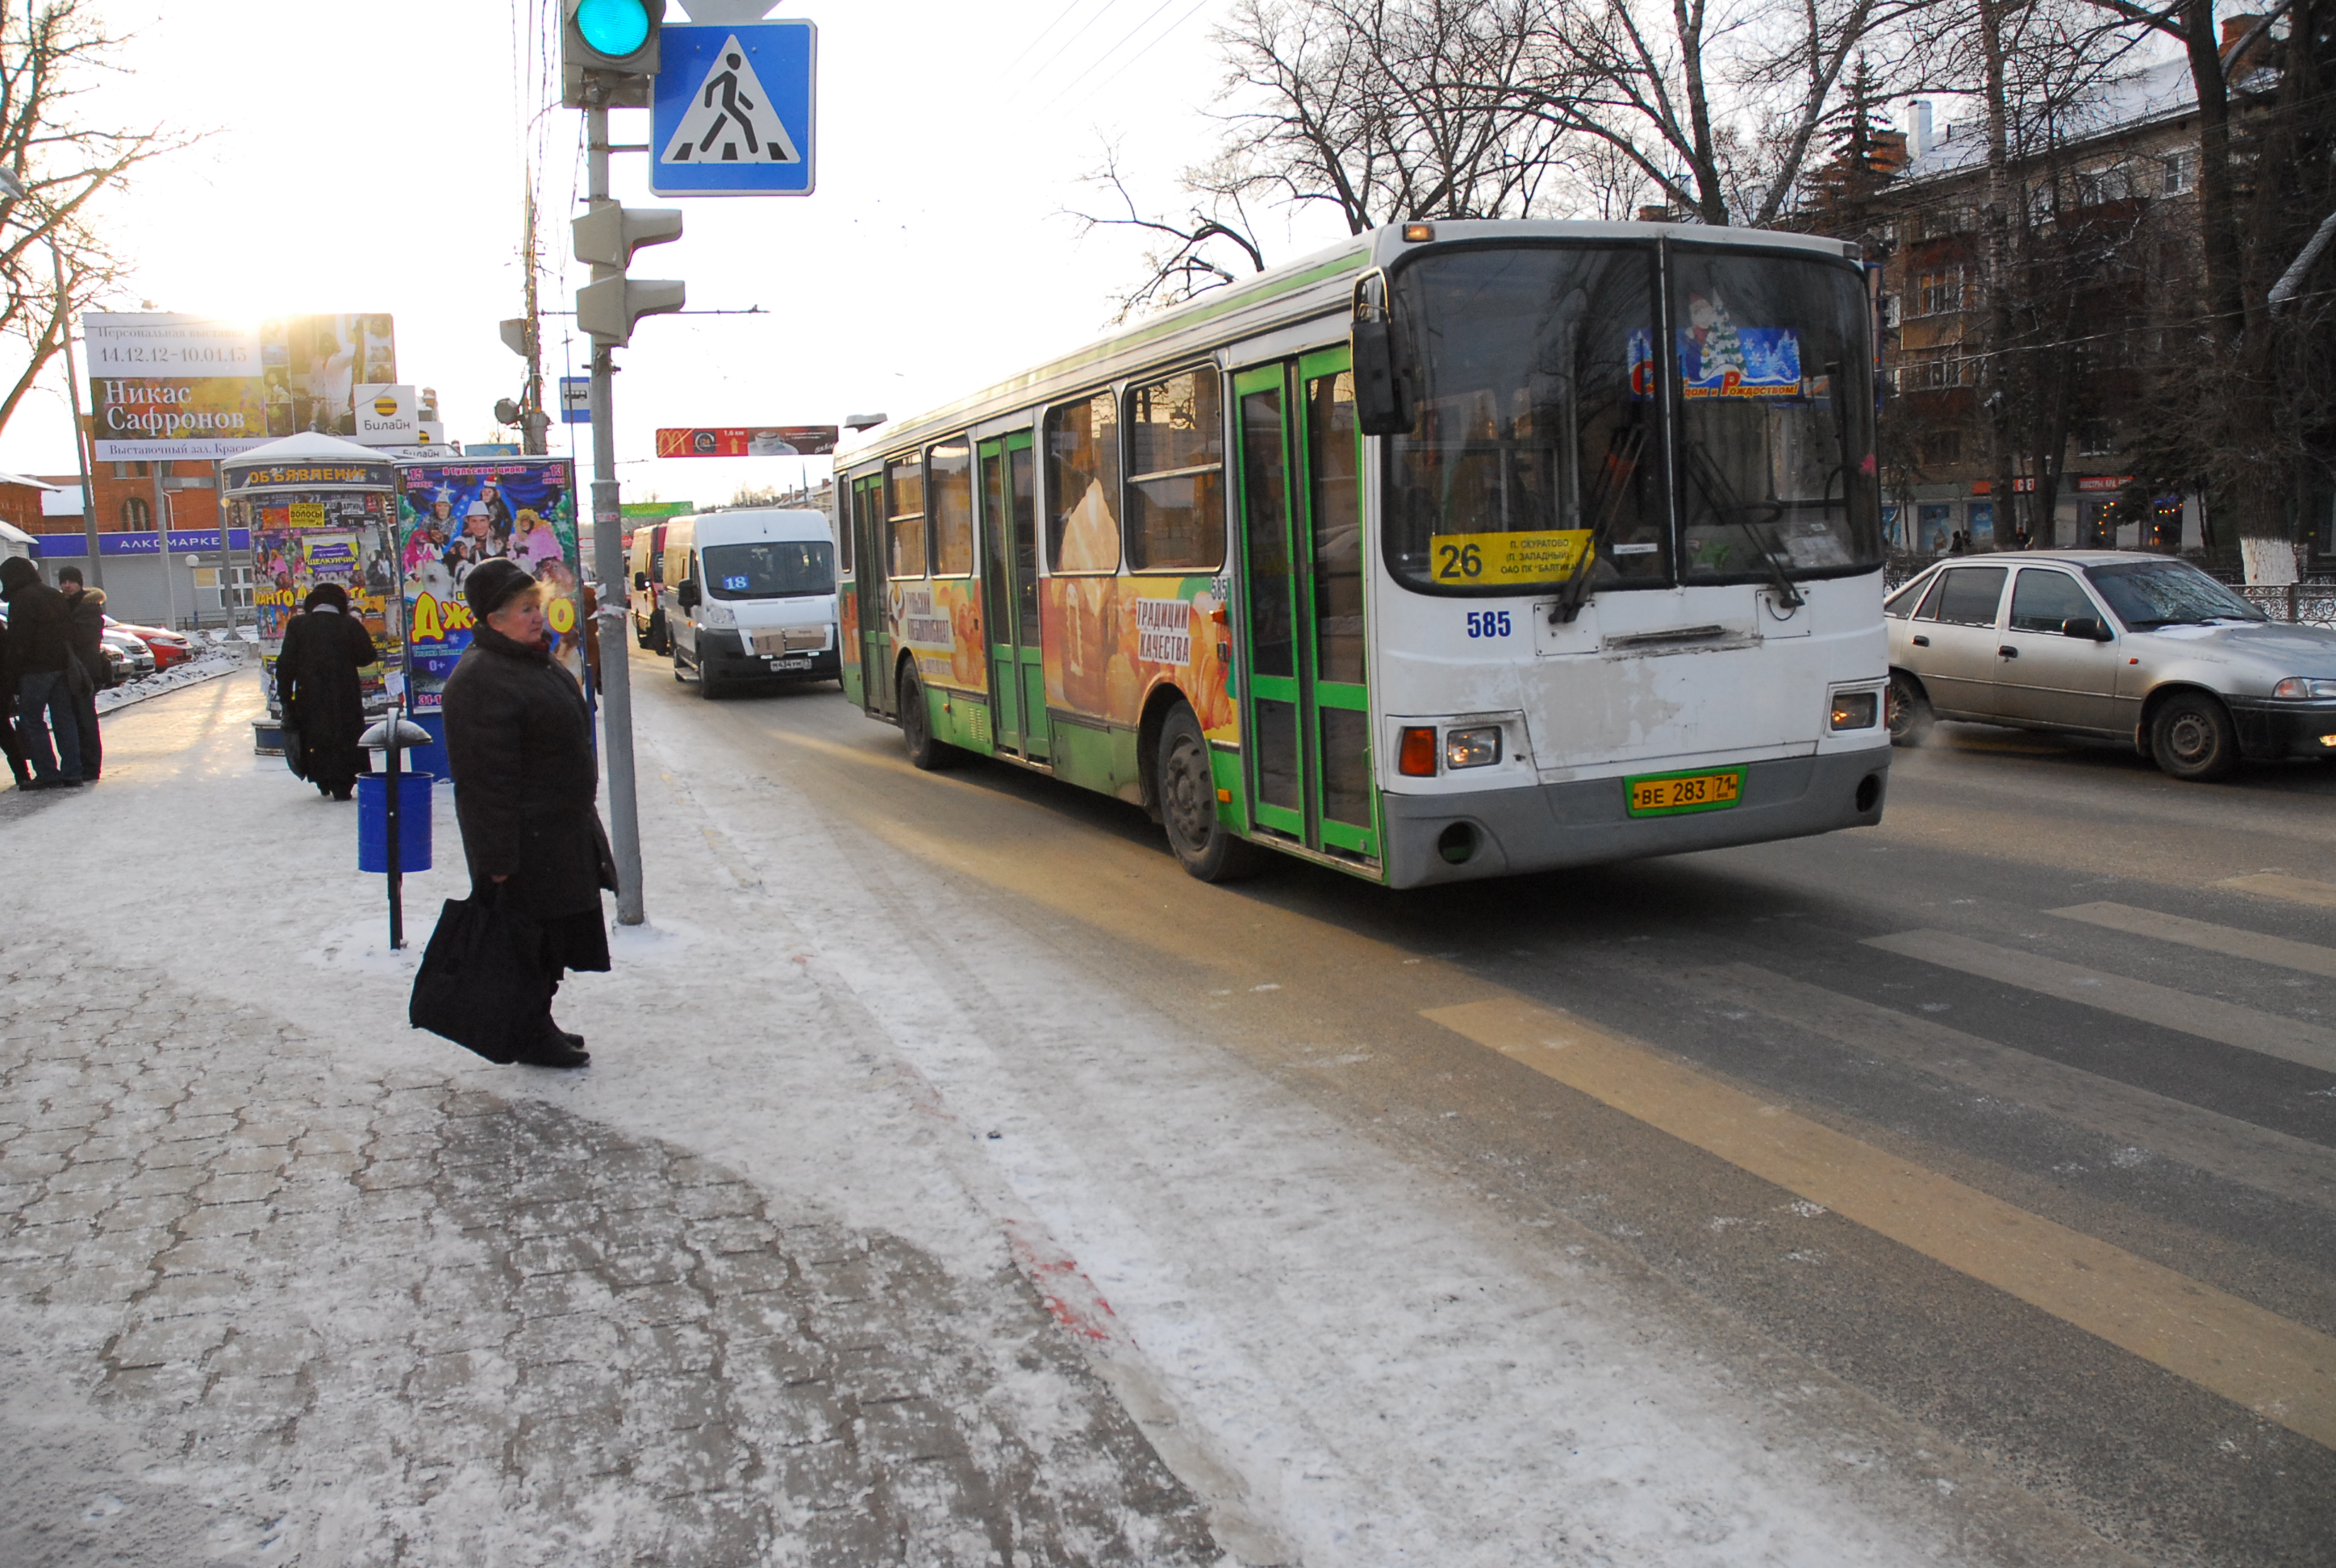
[{"x": 359, "y": 165}]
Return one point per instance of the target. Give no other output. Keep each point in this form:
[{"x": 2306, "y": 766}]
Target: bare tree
[
  {"x": 53, "y": 259},
  {"x": 1716, "y": 103},
  {"x": 1373, "y": 108}
]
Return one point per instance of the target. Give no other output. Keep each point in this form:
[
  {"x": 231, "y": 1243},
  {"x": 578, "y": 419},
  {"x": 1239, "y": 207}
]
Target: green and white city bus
[{"x": 1414, "y": 558}]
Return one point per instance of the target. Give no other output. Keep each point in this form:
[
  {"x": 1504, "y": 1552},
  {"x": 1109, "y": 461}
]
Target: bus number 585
[{"x": 1488, "y": 623}]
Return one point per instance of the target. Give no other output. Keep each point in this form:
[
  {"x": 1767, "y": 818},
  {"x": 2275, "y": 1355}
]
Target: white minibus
[{"x": 750, "y": 594}]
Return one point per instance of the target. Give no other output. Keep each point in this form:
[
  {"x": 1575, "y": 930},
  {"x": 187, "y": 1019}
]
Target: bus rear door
[
  {"x": 869, "y": 543},
  {"x": 1307, "y": 730},
  {"x": 1009, "y": 578}
]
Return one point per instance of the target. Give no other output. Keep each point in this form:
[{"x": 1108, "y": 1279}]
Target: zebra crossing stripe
[{"x": 2282, "y": 1371}]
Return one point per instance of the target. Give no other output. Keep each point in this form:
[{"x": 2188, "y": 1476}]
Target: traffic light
[
  {"x": 607, "y": 236},
  {"x": 616, "y": 40}
]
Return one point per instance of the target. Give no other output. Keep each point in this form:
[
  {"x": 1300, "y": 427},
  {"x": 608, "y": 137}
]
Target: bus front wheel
[{"x": 1204, "y": 846}]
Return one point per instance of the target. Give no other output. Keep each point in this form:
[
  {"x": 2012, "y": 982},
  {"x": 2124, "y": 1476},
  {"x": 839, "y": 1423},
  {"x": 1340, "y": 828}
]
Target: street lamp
[{"x": 13, "y": 189}]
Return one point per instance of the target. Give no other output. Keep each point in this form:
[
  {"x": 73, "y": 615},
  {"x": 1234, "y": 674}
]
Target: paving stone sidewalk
[{"x": 335, "y": 1317}]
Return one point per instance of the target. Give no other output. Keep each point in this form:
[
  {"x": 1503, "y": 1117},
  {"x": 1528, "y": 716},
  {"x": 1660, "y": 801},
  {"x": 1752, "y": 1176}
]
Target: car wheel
[
  {"x": 641, "y": 635},
  {"x": 660, "y": 633},
  {"x": 1204, "y": 846},
  {"x": 1909, "y": 711},
  {"x": 925, "y": 750},
  {"x": 2191, "y": 737}
]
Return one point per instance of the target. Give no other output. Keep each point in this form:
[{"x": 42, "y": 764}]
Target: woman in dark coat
[
  {"x": 518, "y": 743},
  {"x": 324, "y": 646}
]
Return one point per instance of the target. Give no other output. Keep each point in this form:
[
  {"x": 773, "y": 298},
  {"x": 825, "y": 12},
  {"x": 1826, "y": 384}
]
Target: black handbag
[
  {"x": 481, "y": 982},
  {"x": 296, "y": 753}
]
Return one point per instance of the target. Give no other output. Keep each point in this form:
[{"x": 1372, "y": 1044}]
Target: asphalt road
[{"x": 2007, "y": 1128}]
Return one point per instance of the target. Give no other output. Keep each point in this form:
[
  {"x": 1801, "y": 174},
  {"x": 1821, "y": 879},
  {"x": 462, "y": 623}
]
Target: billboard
[
  {"x": 744, "y": 441},
  {"x": 386, "y": 416},
  {"x": 165, "y": 386},
  {"x": 452, "y": 515}
]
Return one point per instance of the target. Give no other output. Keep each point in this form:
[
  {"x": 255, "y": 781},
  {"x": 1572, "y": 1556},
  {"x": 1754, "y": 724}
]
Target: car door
[
  {"x": 1952, "y": 642},
  {"x": 2045, "y": 677}
]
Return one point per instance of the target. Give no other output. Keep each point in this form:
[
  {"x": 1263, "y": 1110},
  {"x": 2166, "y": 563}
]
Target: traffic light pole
[{"x": 608, "y": 560}]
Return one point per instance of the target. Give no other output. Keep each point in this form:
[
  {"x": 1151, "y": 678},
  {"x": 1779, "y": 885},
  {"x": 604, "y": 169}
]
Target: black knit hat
[
  {"x": 491, "y": 584},
  {"x": 15, "y": 572},
  {"x": 331, "y": 593}
]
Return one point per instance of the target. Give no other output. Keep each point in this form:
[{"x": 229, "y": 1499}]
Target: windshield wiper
[
  {"x": 1722, "y": 495},
  {"x": 1606, "y": 503}
]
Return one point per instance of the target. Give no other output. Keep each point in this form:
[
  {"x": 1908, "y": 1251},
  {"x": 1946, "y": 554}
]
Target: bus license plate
[
  {"x": 799, "y": 662},
  {"x": 1671, "y": 794}
]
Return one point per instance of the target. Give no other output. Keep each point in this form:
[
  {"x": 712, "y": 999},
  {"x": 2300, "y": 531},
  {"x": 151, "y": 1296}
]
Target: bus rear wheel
[
  {"x": 1204, "y": 846},
  {"x": 926, "y": 750}
]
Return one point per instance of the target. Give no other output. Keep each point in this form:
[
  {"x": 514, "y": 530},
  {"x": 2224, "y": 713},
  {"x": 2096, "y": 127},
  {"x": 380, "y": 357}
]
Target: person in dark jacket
[
  {"x": 317, "y": 681},
  {"x": 42, "y": 672},
  {"x": 23, "y": 774},
  {"x": 518, "y": 744},
  {"x": 85, "y": 621}
]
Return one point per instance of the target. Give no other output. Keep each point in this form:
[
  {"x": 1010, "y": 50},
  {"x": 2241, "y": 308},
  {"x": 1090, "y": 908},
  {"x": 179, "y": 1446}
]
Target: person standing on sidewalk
[
  {"x": 85, "y": 627},
  {"x": 518, "y": 743},
  {"x": 316, "y": 682},
  {"x": 41, "y": 672},
  {"x": 16, "y": 768}
]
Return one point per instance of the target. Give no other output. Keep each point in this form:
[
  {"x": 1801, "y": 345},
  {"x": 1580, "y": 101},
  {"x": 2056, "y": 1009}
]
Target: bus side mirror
[
  {"x": 641, "y": 582},
  {"x": 2085, "y": 625},
  {"x": 686, "y": 595},
  {"x": 1379, "y": 395}
]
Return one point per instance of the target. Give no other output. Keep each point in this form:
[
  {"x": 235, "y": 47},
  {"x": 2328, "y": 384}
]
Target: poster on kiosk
[
  {"x": 453, "y": 514},
  {"x": 321, "y": 510}
]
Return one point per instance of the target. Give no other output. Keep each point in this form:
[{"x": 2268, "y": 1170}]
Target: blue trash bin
[{"x": 412, "y": 822}]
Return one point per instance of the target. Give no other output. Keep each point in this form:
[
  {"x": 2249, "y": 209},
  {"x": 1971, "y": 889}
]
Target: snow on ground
[{"x": 1344, "y": 1355}]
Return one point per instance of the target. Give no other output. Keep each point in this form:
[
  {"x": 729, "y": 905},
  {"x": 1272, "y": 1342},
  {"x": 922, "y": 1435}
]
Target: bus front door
[
  {"x": 1308, "y": 726},
  {"x": 868, "y": 553},
  {"x": 1009, "y": 575}
]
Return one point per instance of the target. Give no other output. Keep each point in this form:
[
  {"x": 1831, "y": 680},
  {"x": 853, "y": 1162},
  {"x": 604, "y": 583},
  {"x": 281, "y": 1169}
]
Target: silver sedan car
[{"x": 2132, "y": 648}]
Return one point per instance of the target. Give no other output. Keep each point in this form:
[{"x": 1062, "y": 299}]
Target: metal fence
[{"x": 2312, "y": 603}]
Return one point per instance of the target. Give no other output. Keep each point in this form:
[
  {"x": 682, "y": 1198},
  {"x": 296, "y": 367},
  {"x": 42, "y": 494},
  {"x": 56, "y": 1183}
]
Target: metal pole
[
  {"x": 389, "y": 834},
  {"x": 154, "y": 467},
  {"x": 81, "y": 450},
  {"x": 608, "y": 559}
]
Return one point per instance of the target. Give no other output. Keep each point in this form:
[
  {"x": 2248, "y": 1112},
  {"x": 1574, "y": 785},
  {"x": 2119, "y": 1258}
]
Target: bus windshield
[
  {"x": 1538, "y": 432},
  {"x": 770, "y": 568}
]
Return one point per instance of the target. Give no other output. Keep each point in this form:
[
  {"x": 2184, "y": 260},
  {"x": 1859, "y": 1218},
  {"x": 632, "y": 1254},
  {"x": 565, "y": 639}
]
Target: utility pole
[
  {"x": 533, "y": 423},
  {"x": 81, "y": 436},
  {"x": 154, "y": 469}
]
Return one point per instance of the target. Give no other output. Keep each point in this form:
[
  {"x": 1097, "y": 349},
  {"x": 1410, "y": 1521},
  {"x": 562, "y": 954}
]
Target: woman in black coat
[
  {"x": 518, "y": 743},
  {"x": 324, "y": 646}
]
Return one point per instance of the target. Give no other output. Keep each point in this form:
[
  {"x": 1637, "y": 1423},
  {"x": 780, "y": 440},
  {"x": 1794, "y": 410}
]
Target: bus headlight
[
  {"x": 714, "y": 612},
  {"x": 1853, "y": 710},
  {"x": 1479, "y": 747}
]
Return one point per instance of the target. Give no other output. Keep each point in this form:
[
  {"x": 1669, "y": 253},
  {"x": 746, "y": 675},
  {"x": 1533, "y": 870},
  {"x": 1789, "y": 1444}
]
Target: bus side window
[
  {"x": 904, "y": 488},
  {"x": 949, "y": 476},
  {"x": 843, "y": 524},
  {"x": 1083, "y": 484},
  {"x": 1177, "y": 478}
]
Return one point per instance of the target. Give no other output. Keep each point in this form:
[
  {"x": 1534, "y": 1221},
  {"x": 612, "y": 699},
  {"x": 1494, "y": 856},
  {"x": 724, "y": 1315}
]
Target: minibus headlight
[
  {"x": 1479, "y": 747},
  {"x": 1854, "y": 709},
  {"x": 1416, "y": 755},
  {"x": 714, "y": 612}
]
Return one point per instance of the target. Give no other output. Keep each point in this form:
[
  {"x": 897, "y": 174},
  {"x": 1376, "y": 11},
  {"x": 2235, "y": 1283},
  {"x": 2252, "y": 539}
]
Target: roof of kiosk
[{"x": 309, "y": 459}]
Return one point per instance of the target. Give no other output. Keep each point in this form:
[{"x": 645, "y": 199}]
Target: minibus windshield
[{"x": 770, "y": 568}]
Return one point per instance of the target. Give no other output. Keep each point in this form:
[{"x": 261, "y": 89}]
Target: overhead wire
[
  {"x": 1040, "y": 37},
  {"x": 1039, "y": 69},
  {"x": 1127, "y": 64}
]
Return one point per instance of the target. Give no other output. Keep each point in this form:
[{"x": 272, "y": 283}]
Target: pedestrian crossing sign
[{"x": 733, "y": 110}]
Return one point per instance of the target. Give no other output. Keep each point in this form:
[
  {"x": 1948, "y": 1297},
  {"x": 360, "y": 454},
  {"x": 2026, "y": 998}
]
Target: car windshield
[
  {"x": 2154, "y": 593},
  {"x": 770, "y": 569}
]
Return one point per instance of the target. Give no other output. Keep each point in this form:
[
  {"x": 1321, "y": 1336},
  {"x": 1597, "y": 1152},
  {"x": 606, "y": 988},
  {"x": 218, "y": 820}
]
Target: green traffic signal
[{"x": 614, "y": 28}]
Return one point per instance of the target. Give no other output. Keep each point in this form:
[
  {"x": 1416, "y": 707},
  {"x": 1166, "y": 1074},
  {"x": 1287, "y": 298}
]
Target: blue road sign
[
  {"x": 575, "y": 400},
  {"x": 733, "y": 113}
]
